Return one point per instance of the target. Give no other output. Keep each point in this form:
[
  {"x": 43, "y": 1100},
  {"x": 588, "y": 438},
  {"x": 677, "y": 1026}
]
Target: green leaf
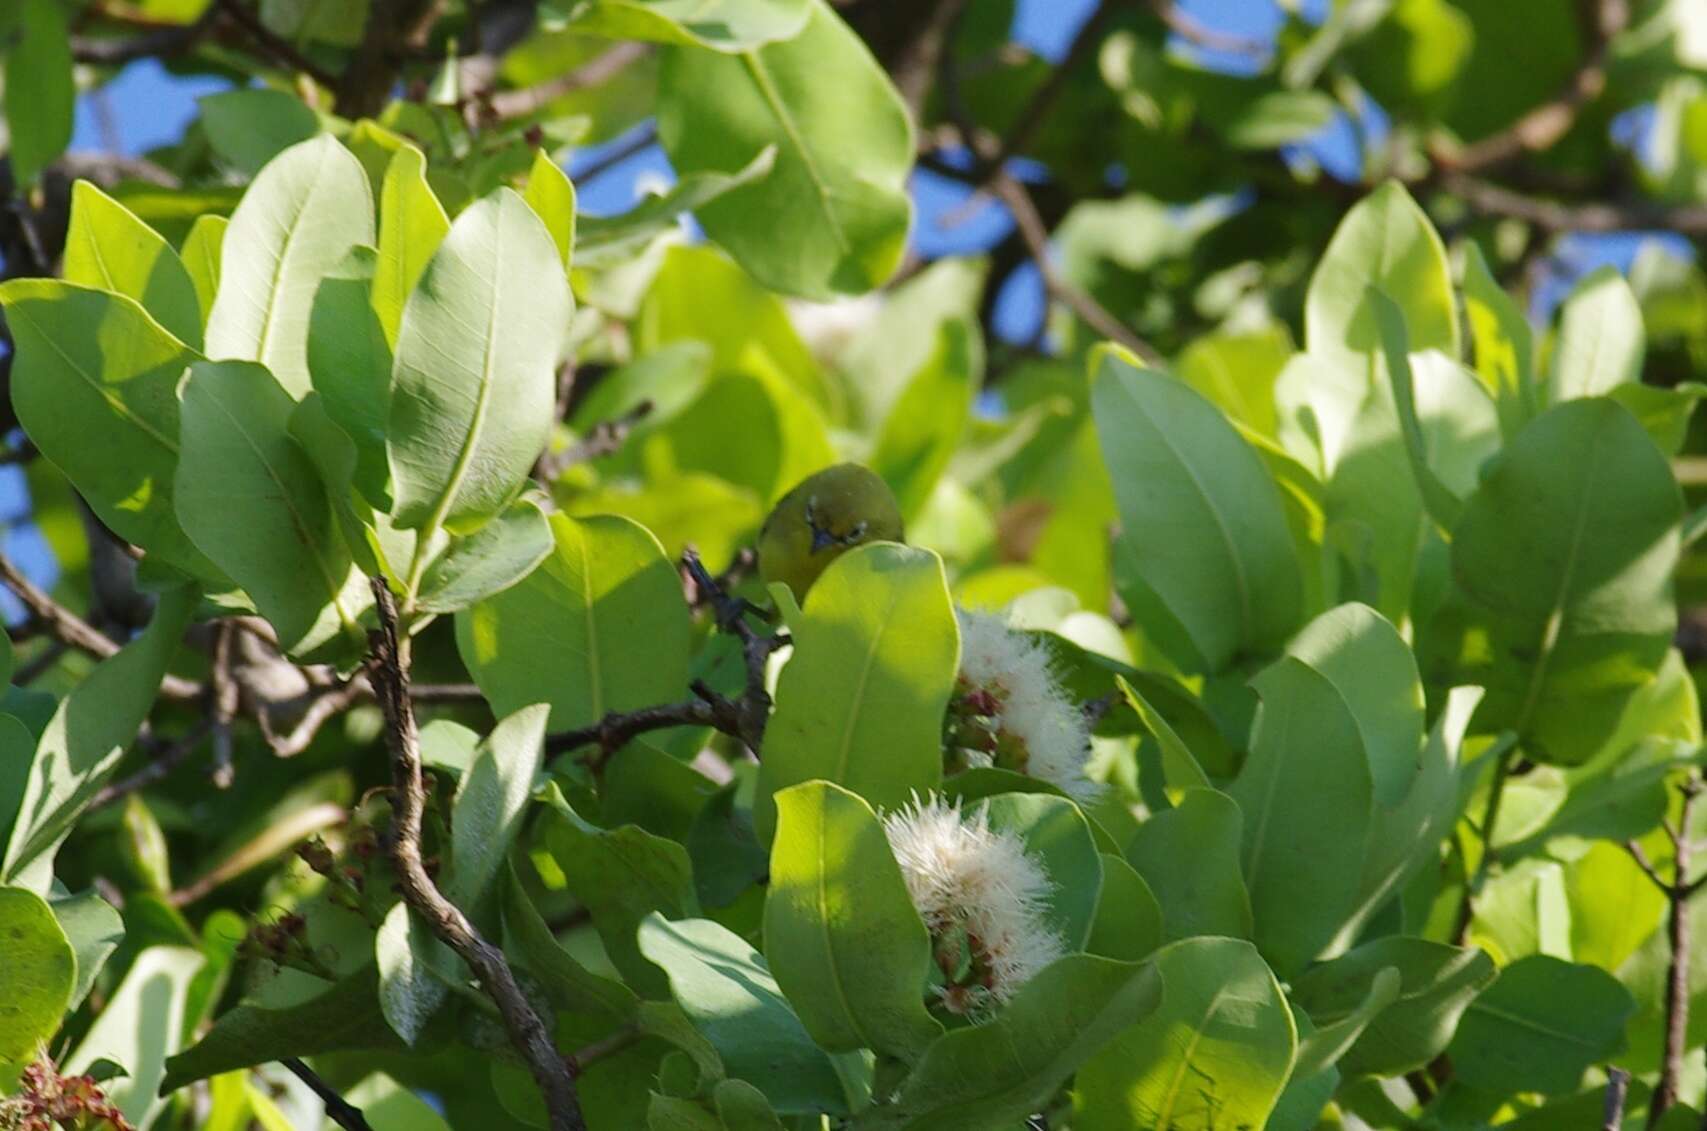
[
  {"x": 1437, "y": 982},
  {"x": 490, "y": 801},
  {"x": 1056, "y": 835},
  {"x": 929, "y": 418},
  {"x": 861, "y": 701},
  {"x": 568, "y": 983},
  {"x": 299, "y": 219},
  {"x": 723, "y": 986},
  {"x": 609, "y": 241},
  {"x": 200, "y": 255},
  {"x": 1601, "y": 340},
  {"x": 784, "y": 437},
  {"x": 1128, "y": 923},
  {"x": 1208, "y": 898},
  {"x": 1385, "y": 242},
  {"x": 832, "y": 216},
  {"x": 721, "y": 25},
  {"x": 94, "y": 931},
  {"x": 551, "y": 195},
  {"x": 248, "y": 128},
  {"x": 1277, "y": 118},
  {"x": 1438, "y": 499},
  {"x": 489, "y": 561},
  {"x": 842, "y": 936},
  {"x": 475, "y": 377},
  {"x": 997, "y": 1073},
  {"x": 89, "y": 732},
  {"x": 1540, "y": 1027},
  {"x": 1563, "y": 561},
  {"x": 1179, "y": 766},
  {"x": 94, "y": 384},
  {"x": 621, "y": 875},
  {"x": 1323, "y": 1047},
  {"x": 1215, "y": 1053},
  {"x": 412, "y": 224},
  {"x": 344, "y": 1016},
  {"x": 251, "y": 501},
  {"x": 416, "y": 972},
  {"x": 1503, "y": 343},
  {"x": 1201, "y": 520},
  {"x": 599, "y": 626},
  {"x": 40, "y": 89},
  {"x": 41, "y": 973},
  {"x": 108, "y": 248},
  {"x": 142, "y": 1025},
  {"x": 349, "y": 365}
]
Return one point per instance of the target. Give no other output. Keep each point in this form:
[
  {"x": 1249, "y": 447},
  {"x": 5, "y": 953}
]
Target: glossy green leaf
[
  {"x": 1502, "y": 342},
  {"x": 108, "y": 248},
  {"x": 88, "y": 734},
  {"x": 41, "y": 973},
  {"x": 200, "y": 255},
  {"x": 1563, "y": 560},
  {"x": 1385, "y": 242},
  {"x": 723, "y": 986},
  {"x": 142, "y": 1025},
  {"x": 842, "y": 936},
  {"x": 1128, "y": 923},
  {"x": 475, "y": 375},
  {"x": 568, "y": 983},
  {"x": 1057, "y": 836},
  {"x": 1200, "y": 518},
  {"x": 599, "y": 626},
  {"x": 94, "y": 929},
  {"x": 488, "y": 561},
  {"x": 1208, "y": 898},
  {"x": 251, "y": 501},
  {"x": 1601, "y": 338},
  {"x": 349, "y": 365},
  {"x": 721, "y": 25},
  {"x": 1216, "y": 1052},
  {"x": 298, "y": 220},
  {"x": 832, "y": 216},
  {"x": 997, "y": 1073},
  {"x": 1540, "y": 1027},
  {"x": 412, "y": 224},
  {"x": 552, "y": 197},
  {"x": 621, "y": 875},
  {"x": 40, "y": 89},
  {"x": 248, "y": 128},
  {"x": 1439, "y": 501},
  {"x": 861, "y": 701},
  {"x": 1323, "y": 1046},
  {"x": 343, "y": 1016},
  {"x": 1437, "y": 983},
  {"x": 94, "y": 384},
  {"x": 416, "y": 972}
]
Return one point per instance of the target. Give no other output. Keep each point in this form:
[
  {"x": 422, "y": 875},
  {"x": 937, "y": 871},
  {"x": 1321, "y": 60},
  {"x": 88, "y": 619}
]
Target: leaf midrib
[
  {"x": 779, "y": 109},
  {"x": 99, "y": 387}
]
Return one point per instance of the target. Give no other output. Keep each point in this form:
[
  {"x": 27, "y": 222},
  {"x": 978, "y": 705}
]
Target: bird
[{"x": 822, "y": 517}]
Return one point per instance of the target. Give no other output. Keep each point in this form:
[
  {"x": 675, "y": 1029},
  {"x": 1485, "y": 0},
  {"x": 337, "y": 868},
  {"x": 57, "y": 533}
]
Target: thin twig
[
  {"x": 1542, "y": 126},
  {"x": 273, "y": 44},
  {"x": 1677, "y": 971},
  {"x": 1036, "y": 236},
  {"x": 1641, "y": 858},
  {"x": 604, "y": 438},
  {"x": 1494, "y": 200},
  {"x": 1194, "y": 31},
  {"x": 506, "y": 105},
  {"x": 73, "y": 630},
  {"x": 618, "y": 728},
  {"x": 169, "y": 758},
  {"x": 643, "y": 137},
  {"x": 389, "y": 672},
  {"x": 227, "y": 696},
  {"x": 752, "y": 710},
  {"x": 1032, "y": 116},
  {"x": 1617, "y": 1087},
  {"x": 338, "y": 1109}
]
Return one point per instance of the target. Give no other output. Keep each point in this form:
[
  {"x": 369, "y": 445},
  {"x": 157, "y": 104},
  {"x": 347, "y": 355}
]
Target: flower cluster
[
  {"x": 981, "y": 897},
  {"x": 1009, "y": 709},
  {"x": 45, "y": 1100}
]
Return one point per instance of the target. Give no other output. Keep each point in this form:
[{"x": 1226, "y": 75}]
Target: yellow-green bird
[{"x": 824, "y": 516}]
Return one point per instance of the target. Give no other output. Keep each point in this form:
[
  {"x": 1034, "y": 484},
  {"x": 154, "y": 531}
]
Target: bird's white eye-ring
[{"x": 857, "y": 532}]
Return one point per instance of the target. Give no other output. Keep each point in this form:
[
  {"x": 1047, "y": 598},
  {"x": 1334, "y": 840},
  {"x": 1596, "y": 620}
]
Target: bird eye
[{"x": 857, "y": 532}]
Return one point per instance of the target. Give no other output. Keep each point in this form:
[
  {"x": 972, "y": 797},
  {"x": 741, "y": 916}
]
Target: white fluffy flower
[
  {"x": 1007, "y": 675},
  {"x": 974, "y": 886}
]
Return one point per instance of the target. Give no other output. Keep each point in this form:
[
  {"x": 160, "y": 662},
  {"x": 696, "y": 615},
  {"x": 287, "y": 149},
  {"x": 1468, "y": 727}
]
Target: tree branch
[
  {"x": 1677, "y": 970},
  {"x": 273, "y": 44},
  {"x": 605, "y": 438},
  {"x": 505, "y": 105},
  {"x": 1494, "y": 200},
  {"x": 69, "y": 628},
  {"x": 389, "y": 672},
  {"x": 1617, "y": 1086},
  {"x": 168, "y": 758},
  {"x": 1543, "y": 126},
  {"x": 338, "y": 1109}
]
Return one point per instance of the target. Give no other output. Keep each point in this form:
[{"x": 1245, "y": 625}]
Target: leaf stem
[{"x": 1506, "y": 754}]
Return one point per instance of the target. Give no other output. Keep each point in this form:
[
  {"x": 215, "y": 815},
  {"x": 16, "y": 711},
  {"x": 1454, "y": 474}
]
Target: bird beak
[{"x": 821, "y": 539}]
